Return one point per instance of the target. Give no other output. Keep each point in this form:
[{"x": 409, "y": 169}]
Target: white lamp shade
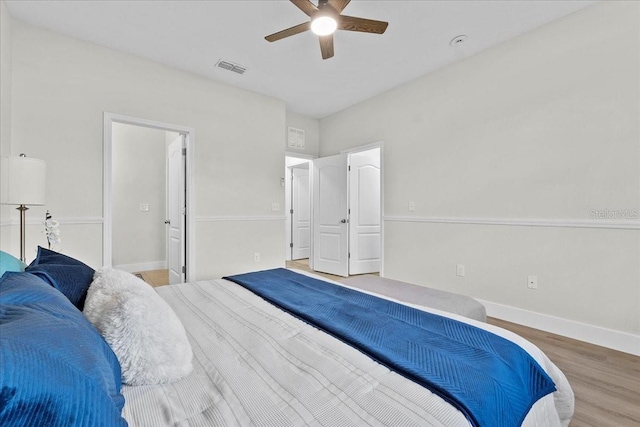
[{"x": 23, "y": 181}]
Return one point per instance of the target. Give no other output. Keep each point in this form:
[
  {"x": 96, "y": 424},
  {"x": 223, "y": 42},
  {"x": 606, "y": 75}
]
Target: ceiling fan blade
[
  {"x": 338, "y": 5},
  {"x": 351, "y": 23},
  {"x": 306, "y": 6},
  {"x": 288, "y": 32},
  {"x": 326, "y": 46}
]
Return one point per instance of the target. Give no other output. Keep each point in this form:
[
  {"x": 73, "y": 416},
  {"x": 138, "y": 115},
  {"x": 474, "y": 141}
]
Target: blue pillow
[
  {"x": 57, "y": 370},
  {"x": 10, "y": 263},
  {"x": 68, "y": 275}
]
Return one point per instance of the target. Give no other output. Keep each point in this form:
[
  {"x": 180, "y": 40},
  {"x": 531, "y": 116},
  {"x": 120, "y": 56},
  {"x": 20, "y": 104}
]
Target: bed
[{"x": 255, "y": 362}]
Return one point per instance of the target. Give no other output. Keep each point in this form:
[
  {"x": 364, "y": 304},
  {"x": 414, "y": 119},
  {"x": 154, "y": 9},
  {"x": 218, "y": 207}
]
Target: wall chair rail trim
[
  {"x": 221, "y": 218},
  {"x": 64, "y": 221},
  {"x": 523, "y": 222}
]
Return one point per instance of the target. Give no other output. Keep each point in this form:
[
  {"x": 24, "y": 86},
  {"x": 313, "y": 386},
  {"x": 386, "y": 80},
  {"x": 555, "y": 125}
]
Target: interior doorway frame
[
  {"x": 305, "y": 158},
  {"x": 107, "y": 205},
  {"x": 348, "y": 151}
]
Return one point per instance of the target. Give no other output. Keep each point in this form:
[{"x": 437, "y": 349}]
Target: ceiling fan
[{"x": 326, "y": 18}]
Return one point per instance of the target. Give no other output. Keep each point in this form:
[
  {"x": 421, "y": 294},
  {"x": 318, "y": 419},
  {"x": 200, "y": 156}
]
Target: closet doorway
[{"x": 148, "y": 224}]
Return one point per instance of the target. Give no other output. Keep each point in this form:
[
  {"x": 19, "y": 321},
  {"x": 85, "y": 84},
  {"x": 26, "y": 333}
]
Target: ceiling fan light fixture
[
  {"x": 325, "y": 19},
  {"x": 323, "y": 25}
]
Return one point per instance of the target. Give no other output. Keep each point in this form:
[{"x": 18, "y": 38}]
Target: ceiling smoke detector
[
  {"x": 458, "y": 40},
  {"x": 230, "y": 66}
]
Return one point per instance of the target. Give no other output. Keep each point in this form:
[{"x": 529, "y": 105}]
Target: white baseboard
[
  {"x": 143, "y": 266},
  {"x": 609, "y": 338}
]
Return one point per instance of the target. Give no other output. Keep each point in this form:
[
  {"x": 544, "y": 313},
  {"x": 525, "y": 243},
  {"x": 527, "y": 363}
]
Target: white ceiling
[{"x": 194, "y": 35}]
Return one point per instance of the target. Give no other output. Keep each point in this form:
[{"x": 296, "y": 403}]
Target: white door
[
  {"x": 364, "y": 206},
  {"x": 176, "y": 211},
  {"x": 301, "y": 212},
  {"x": 330, "y": 216}
]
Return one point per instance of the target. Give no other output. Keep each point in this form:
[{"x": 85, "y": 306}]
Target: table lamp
[{"x": 23, "y": 183}]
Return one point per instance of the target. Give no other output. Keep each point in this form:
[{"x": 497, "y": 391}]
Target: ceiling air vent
[{"x": 230, "y": 66}]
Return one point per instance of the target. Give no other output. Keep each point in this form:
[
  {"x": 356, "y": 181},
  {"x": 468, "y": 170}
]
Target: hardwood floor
[
  {"x": 606, "y": 383},
  {"x": 154, "y": 277},
  {"x": 303, "y": 264}
]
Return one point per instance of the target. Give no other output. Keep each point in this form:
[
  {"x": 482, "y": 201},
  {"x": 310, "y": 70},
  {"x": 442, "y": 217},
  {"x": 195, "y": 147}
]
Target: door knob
[
  {"x": 167, "y": 221},
  {"x": 344, "y": 221}
]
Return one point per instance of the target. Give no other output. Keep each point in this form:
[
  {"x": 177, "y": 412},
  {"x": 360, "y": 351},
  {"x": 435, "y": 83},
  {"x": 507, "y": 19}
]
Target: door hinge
[
  {"x": 291, "y": 211},
  {"x": 184, "y": 151},
  {"x": 349, "y": 211},
  {"x": 290, "y": 245},
  {"x": 349, "y": 168},
  {"x": 349, "y": 255},
  {"x": 184, "y": 269}
]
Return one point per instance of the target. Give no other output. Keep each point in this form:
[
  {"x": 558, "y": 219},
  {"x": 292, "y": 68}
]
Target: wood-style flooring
[
  {"x": 606, "y": 382},
  {"x": 154, "y": 277},
  {"x": 303, "y": 264}
]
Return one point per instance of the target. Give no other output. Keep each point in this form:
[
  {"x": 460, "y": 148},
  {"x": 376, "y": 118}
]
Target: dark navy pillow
[
  {"x": 68, "y": 275},
  {"x": 57, "y": 370}
]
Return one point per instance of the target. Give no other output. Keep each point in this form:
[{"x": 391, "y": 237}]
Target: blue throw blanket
[{"x": 491, "y": 380}]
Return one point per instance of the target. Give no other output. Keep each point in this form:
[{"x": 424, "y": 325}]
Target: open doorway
[
  {"x": 298, "y": 208},
  {"x": 140, "y": 201},
  {"x": 347, "y": 212},
  {"x": 147, "y": 209}
]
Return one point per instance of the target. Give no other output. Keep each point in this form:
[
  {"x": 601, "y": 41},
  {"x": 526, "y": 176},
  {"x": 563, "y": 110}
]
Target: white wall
[
  {"x": 139, "y": 177},
  {"x": 311, "y": 128},
  {"x": 62, "y": 86},
  {"x": 5, "y": 118},
  {"x": 541, "y": 129},
  {"x": 5, "y": 80}
]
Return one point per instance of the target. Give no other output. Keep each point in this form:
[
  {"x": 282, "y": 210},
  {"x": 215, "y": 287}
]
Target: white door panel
[
  {"x": 175, "y": 210},
  {"x": 330, "y": 228},
  {"x": 303, "y": 240},
  {"x": 301, "y": 217},
  {"x": 368, "y": 246},
  {"x": 364, "y": 227}
]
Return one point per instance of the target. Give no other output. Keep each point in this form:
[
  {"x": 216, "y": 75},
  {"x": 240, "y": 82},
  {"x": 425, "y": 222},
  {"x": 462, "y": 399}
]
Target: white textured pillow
[{"x": 143, "y": 331}]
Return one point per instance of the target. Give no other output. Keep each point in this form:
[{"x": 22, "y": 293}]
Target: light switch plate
[{"x": 144, "y": 207}]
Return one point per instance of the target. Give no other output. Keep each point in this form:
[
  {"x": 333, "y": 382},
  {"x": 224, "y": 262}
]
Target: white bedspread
[{"x": 255, "y": 365}]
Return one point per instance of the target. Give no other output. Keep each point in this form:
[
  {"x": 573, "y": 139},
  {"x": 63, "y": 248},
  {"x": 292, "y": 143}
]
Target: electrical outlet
[
  {"x": 532, "y": 282},
  {"x": 460, "y": 270},
  {"x": 412, "y": 206},
  {"x": 144, "y": 207},
  {"x": 256, "y": 257},
  {"x": 275, "y": 207}
]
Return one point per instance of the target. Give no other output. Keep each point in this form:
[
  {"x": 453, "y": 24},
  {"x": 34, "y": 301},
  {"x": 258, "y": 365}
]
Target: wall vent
[
  {"x": 296, "y": 138},
  {"x": 230, "y": 66}
]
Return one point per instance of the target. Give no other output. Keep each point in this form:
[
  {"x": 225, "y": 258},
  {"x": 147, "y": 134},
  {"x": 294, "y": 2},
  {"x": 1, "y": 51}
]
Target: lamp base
[{"x": 23, "y": 209}]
